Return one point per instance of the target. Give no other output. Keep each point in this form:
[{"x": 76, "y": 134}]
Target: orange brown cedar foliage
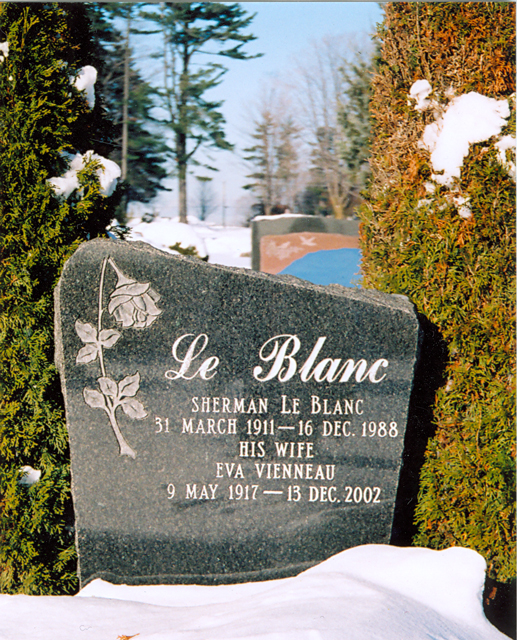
[{"x": 459, "y": 273}]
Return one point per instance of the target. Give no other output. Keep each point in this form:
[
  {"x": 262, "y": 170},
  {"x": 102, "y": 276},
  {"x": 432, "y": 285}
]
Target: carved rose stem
[
  {"x": 125, "y": 449},
  {"x": 133, "y": 304},
  {"x": 101, "y": 310}
]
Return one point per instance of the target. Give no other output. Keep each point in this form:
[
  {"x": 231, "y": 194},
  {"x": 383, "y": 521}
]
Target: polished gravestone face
[{"x": 226, "y": 425}]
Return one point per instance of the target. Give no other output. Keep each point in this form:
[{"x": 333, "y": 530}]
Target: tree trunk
[
  {"x": 181, "y": 136},
  {"x": 125, "y": 101},
  {"x": 337, "y": 208},
  {"x": 181, "y": 153}
]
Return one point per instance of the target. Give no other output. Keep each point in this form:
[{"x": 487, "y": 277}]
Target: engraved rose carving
[{"x": 134, "y": 305}]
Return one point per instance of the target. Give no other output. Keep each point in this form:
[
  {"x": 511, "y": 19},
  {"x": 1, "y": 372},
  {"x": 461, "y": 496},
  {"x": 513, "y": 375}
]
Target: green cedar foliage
[
  {"x": 41, "y": 115},
  {"x": 460, "y": 273}
]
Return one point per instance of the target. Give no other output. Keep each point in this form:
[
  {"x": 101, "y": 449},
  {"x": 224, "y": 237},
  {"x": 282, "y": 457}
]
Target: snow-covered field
[
  {"x": 229, "y": 246},
  {"x": 373, "y": 592}
]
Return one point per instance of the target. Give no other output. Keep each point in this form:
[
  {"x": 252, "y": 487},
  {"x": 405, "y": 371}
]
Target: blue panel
[{"x": 334, "y": 266}]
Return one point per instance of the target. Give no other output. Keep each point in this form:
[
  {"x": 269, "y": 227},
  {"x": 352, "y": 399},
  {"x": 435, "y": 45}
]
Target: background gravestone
[
  {"x": 226, "y": 425},
  {"x": 320, "y": 250}
]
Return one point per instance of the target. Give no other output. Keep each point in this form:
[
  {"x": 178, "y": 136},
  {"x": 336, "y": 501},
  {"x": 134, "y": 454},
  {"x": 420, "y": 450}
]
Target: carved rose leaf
[
  {"x": 87, "y": 354},
  {"x": 86, "y": 331},
  {"x": 94, "y": 399},
  {"x": 108, "y": 387},
  {"x": 129, "y": 385},
  {"x": 133, "y": 408},
  {"x": 108, "y": 337}
]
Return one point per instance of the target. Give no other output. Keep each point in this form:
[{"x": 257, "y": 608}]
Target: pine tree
[
  {"x": 43, "y": 117},
  {"x": 354, "y": 117},
  {"x": 137, "y": 146},
  {"x": 287, "y": 162},
  {"x": 261, "y": 155},
  {"x": 273, "y": 156},
  {"x": 448, "y": 243},
  {"x": 191, "y": 29}
]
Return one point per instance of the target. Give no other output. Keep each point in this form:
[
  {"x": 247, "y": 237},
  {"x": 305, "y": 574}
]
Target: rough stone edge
[
  {"x": 391, "y": 301},
  {"x": 58, "y": 337}
]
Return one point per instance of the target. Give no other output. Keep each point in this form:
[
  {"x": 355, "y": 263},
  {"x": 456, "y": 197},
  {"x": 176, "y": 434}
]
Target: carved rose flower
[{"x": 133, "y": 303}]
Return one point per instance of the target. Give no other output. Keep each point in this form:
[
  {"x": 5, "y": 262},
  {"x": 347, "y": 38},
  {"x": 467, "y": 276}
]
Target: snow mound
[
  {"x": 229, "y": 246},
  {"x": 373, "y": 592}
]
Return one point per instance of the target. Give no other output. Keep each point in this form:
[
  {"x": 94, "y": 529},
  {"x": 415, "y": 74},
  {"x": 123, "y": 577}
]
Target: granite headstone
[
  {"x": 226, "y": 425},
  {"x": 320, "y": 250}
]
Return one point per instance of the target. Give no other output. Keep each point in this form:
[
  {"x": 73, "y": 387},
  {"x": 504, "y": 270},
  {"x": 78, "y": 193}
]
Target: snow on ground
[
  {"x": 230, "y": 246},
  {"x": 373, "y": 592}
]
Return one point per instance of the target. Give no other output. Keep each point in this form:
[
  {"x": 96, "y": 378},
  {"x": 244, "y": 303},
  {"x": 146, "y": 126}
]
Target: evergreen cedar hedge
[
  {"x": 459, "y": 273},
  {"x": 41, "y": 114}
]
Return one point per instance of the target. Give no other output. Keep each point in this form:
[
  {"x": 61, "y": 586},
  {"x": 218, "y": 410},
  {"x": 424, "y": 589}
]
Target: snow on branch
[
  {"x": 506, "y": 143},
  {"x": 108, "y": 174},
  {"x": 85, "y": 81},
  {"x": 420, "y": 91},
  {"x": 468, "y": 119},
  {"x": 4, "y": 51}
]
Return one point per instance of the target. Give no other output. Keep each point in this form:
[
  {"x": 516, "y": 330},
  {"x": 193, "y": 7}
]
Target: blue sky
[{"x": 284, "y": 31}]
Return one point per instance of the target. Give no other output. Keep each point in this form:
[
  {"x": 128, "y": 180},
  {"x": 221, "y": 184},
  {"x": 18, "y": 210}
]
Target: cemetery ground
[
  {"x": 372, "y": 591},
  {"x": 229, "y": 245}
]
